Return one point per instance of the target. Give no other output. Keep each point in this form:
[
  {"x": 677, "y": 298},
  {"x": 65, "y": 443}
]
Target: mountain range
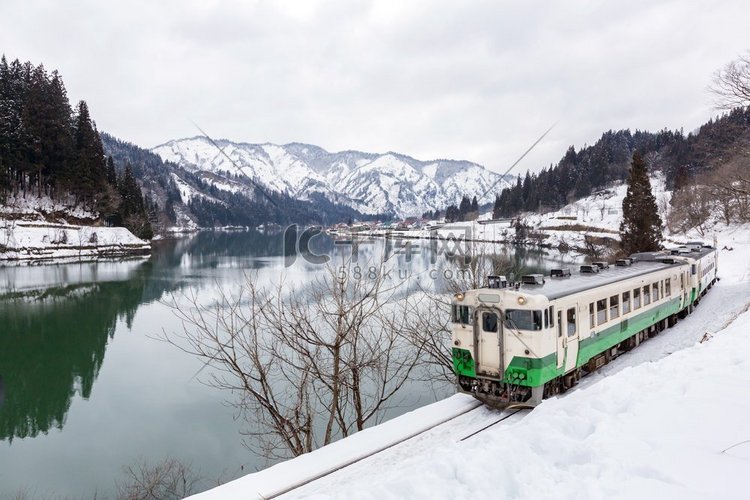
[{"x": 389, "y": 184}]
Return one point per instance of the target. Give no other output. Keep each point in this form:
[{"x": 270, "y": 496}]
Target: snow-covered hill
[{"x": 370, "y": 183}]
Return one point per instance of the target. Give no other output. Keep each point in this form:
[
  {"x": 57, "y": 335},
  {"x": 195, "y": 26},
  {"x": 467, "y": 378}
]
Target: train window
[
  {"x": 571, "y": 321},
  {"x": 667, "y": 287},
  {"x": 522, "y": 319},
  {"x": 625, "y": 302},
  {"x": 692, "y": 269},
  {"x": 601, "y": 311},
  {"x": 646, "y": 295},
  {"x": 559, "y": 323},
  {"x": 461, "y": 314},
  {"x": 546, "y": 318},
  {"x": 592, "y": 316},
  {"x": 614, "y": 306},
  {"x": 489, "y": 322},
  {"x": 636, "y": 298},
  {"x": 551, "y": 315},
  {"x": 655, "y": 289}
]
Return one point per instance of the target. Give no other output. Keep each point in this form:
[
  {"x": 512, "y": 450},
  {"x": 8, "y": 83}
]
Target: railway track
[{"x": 473, "y": 408}]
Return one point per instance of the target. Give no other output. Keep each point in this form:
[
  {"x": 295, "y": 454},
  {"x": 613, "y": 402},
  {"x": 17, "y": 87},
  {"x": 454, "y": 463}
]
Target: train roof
[
  {"x": 644, "y": 263},
  {"x": 554, "y": 288},
  {"x": 691, "y": 252}
]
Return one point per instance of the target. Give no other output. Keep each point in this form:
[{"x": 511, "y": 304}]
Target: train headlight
[
  {"x": 522, "y": 300},
  {"x": 459, "y": 296}
]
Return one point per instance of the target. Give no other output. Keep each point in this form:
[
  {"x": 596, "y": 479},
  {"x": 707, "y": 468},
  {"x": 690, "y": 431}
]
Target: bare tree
[
  {"x": 691, "y": 208},
  {"x": 169, "y": 479},
  {"x": 308, "y": 365},
  {"x": 731, "y": 84}
]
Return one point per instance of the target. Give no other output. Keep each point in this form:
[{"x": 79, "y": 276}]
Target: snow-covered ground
[
  {"x": 37, "y": 228},
  {"x": 670, "y": 419}
]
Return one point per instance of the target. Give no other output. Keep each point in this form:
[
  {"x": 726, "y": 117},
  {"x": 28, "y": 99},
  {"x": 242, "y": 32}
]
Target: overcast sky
[{"x": 475, "y": 80}]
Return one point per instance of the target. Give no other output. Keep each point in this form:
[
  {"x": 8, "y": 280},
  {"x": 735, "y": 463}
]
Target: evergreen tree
[
  {"x": 111, "y": 172},
  {"x": 90, "y": 164},
  {"x": 132, "y": 208},
  {"x": 640, "y": 230},
  {"x": 475, "y": 205},
  {"x": 452, "y": 214},
  {"x": 464, "y": 208},
  {"x": 496, "y": 213}
]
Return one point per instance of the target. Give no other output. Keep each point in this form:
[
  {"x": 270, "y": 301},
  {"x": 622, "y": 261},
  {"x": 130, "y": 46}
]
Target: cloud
[{"x": 477, "y": 80}]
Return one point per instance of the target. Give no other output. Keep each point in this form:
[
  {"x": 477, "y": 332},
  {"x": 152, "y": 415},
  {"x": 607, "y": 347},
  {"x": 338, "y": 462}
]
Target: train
[{"x": 516, "y": 343}]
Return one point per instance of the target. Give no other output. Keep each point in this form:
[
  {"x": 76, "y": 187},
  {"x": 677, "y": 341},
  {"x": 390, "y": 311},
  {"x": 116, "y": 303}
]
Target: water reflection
[
  {"x": 58, "y": 319},
  {"x": 54, "y": 340}
]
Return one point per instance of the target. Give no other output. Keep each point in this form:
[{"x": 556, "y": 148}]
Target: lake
[{"x": 87, "y": 387}]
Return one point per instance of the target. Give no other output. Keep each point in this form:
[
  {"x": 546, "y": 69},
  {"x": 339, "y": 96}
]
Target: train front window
[
  {"x": 489, "y": 322},
  {"x": 461, "y": 314},
  {"x": 521, "y": 319}
]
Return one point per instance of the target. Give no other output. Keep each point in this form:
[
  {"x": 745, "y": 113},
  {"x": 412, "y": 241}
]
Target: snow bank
[
  {"x": 38, "y": 240},
  {"x": 675, "y": 428},
  {"x": 279, "y": 478}
]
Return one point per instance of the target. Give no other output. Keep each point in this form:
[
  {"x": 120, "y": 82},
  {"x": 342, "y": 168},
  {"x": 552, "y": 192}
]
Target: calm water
[{"x": 86, "y": 387}]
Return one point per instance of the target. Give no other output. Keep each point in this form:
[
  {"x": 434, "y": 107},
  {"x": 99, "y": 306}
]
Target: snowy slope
[
  {"x": 668, "y": 420},
  {"x": 39, "y": 228},
  {"x": 38, "y": 240},
  {"x": 371, "y": 183}
]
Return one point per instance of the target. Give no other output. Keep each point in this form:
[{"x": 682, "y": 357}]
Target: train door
[
  {"x": 560, "y": 339},
  {"x": 489, "y": 345},
  {"x": 684, "y": 281},
  {"x": 571, "y": 337}
]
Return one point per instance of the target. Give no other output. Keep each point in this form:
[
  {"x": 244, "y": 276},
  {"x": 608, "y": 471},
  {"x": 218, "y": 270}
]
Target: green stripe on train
[
  {"x": 463, "y": 363},
  {"x": 533, "y": 372}
]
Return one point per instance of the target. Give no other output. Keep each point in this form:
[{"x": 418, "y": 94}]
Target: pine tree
[
  {"x": 90, "y": 165},
  {"x": 474, "y": 205},
  {"x": 496, "y": 208},
  {"x": 111, "y": 172},
  {"x": 640, "y": 230},
  {"x": 132, "y": 209},
  {"x": 464, "y": 208}
]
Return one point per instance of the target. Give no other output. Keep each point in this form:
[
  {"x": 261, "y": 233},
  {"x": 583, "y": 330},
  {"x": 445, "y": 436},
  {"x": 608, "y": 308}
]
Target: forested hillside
[
  {"x": 681, "y": 157},
  {"x": 47, "y": 149}
]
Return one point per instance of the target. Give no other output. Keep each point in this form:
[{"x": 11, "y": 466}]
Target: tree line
[
  {"x": 47, "y": 148},
  {"x": 466, "y": 210}
]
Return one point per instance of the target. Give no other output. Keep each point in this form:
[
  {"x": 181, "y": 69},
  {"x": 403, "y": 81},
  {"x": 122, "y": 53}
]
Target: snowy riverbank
[
  {"x": 34, "y": 228},
  {"x": 35, "y": 240}
]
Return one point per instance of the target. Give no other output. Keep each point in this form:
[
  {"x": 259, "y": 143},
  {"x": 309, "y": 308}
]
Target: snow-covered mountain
[{"x": 370, "y": 183}]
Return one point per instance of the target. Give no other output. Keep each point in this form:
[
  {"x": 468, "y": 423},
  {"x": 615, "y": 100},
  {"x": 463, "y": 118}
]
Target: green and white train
[{"x": 515, "y": 344}]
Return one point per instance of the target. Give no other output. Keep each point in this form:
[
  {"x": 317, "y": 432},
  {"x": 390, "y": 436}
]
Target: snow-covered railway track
[
  {"x": 453, "y": 428},
  {"x": 491, "y": 424}
]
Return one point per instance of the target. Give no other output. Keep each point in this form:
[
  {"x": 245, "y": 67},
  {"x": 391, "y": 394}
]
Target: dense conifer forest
[{"x": 47, "y": 148}]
